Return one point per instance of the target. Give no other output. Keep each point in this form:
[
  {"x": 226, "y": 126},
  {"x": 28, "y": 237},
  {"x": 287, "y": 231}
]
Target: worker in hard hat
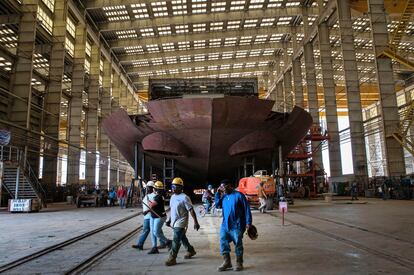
[
  {"x": 146, "y": 228},
  {"x": 157, "y": 220},
  {"x": 180, "y": 206},
  {"x": 237, "y": 217}
]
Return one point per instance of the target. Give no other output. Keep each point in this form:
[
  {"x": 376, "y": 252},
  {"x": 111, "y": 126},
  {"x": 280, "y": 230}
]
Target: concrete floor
[{"x": 318, "y": 238}]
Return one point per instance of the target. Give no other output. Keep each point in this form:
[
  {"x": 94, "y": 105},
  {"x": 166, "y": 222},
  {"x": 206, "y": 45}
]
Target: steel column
[
  {"x": 312, "y": 95},
  {"x": 386, "y": 85},
  {"x": 51, "y": 121},
  {"x": 352, "y": 89},
  {"x": 76, "y": 106},
  {"x": 92, "y": 115},
  {"x": 330, "y": 100}
]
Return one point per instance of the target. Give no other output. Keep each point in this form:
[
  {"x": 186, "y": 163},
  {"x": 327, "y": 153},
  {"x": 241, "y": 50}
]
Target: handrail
[
  {"x": 32, "y": 178},
  {"x": 7, "y": 154}
]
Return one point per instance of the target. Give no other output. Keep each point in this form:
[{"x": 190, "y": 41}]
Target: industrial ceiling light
[{"x": 167, "y": 87}]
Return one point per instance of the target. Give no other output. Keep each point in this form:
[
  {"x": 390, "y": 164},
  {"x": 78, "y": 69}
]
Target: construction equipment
[{"x": 248, "y": 186}]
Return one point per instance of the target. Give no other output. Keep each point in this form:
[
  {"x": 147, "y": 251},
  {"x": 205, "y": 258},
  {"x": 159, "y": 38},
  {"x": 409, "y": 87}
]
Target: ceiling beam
[
  {"x": 6, "y": 19},
  {"x": 271, "y": 45},
  {"x": 122, "y": 43},
  {"x": 193, "y": 64},
  {"x": 202, "y": 18}
]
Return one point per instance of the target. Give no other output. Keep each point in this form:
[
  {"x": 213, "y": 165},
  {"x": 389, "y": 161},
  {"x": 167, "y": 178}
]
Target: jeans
[
  {"x": 122, "y": 202},
  {"x": 231, "y": 235},
  {"x": 207, "y": 204},
  {"x": 262, "y": 204},
  {"x": 156, "y": 231},
  {"x": 180, "y": 237},
  {"x": 146, "y": 229}
]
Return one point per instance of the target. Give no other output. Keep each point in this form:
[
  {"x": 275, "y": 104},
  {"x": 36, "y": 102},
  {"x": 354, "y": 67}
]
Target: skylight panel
[
  {"x": 166, "y": 30},
  {"x": 183, "y": 45},
  {"x": 237, "y": 65},
  {"x": 168, "y": 47},
  {"x": 173, "y": 71},
  {"x": 199, "y": 44},
  {"x": 227, "y": 55},
  {"x": 274, "y": 3},
  {"x": 171, "y": 60},
  {"x": 185, "y": 58},
  {"x": 199, "y": 69},
  {"x": 293, "y": 4},
  {"x": 213, "y": 56},
  {"x": 199, "y": 57},
  {"x": 181, "y": 29},
  {"x": 218, "y": 6},
  {"x": 268, "y": 52},
  {"x": 153, "y": 48},
  {"x": 233, "y": 24},
  {"x": 199, "y": 27},
  {"x": 134, "y": 50}
]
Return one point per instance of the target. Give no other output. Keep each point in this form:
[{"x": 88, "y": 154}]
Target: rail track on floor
[
  {"x": 354, "y": 227},
  {"x": 397, "y": 259},
  {"x": 70, "y": 243}
]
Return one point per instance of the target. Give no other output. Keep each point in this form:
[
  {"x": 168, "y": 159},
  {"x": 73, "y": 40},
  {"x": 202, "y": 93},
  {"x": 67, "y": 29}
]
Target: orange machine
[{"x": 248, "y": 186}]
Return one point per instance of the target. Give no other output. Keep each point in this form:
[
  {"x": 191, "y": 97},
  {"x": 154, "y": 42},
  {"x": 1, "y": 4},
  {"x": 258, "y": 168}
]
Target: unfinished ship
[{"x": 210, "y": 129}]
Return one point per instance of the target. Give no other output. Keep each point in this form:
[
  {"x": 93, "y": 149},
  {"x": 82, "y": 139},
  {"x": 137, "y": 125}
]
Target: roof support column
[
  {"x": 20, "y": 111},
  {"x": 312, "y": 95},
  {"x": 280, "y": 103},
  {"x": 76, "y": 106},
  {"x": 330, "y": 100},
  {"x": 51, "y": 120},
  {"x": 287, "y": 88},
  {"x": 92, "y": 115},
  {"x": 388, "y": 101},
  {"x": 297, "y": 83},
  {"x": 356, "y": 126},
  {"x": 104, "y": 147}
]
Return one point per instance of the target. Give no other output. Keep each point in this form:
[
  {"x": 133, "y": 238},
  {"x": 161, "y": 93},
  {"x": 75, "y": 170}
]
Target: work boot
[
  {"x": 171, "y": 261},
  {"x": 239, "y": 263},
  {"x": 226, "y": 264},
  {"x": 190, "y": 254},
  {"x": 137, "y": 246},
  {"x": 154, "y": 250}
]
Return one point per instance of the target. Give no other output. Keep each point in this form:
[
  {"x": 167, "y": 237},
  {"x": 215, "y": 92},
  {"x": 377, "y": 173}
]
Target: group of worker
[{"x": 236, "y": 219}]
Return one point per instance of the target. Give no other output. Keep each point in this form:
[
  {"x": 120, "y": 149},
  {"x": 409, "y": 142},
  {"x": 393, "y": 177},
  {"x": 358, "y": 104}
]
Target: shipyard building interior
[{"x": 265, "y": 136}]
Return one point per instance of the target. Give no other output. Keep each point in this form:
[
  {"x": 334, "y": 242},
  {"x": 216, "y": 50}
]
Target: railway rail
[
  {"x": 9, "y": 267},
  {"x": 400, "y": 260}
]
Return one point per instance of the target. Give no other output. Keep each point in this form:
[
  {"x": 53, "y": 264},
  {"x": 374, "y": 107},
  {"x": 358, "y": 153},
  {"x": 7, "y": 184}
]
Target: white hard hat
[{"x": 150, "y": 183}]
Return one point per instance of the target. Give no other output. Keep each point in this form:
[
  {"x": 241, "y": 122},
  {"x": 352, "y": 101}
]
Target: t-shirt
[
  {"x": 179, "y": 207},
  {"x": 159, "y": 208},
  {"x": 146, "y": 200}
]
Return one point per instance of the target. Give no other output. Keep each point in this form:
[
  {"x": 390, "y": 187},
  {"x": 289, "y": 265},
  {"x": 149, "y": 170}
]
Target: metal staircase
[
  {"x": 397, "y": 35},
  {"x": 402, "y": 135},
  {"x": 18, "y": 178}
]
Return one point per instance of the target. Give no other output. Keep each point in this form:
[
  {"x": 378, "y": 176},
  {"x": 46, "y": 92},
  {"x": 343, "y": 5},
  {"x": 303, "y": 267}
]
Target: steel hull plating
[{"x": 208, "y": 137}]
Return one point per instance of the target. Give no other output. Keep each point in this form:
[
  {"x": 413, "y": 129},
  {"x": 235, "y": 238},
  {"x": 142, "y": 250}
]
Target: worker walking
[
  {"x": 237, "y": 217},
  {"x": 262, "y": 197},
  {"x": 180, "y": 206},
  {"x": 146, "y": 228},
  {"x": 354, "y": 191},
  {"x": 158, "y": 217}
]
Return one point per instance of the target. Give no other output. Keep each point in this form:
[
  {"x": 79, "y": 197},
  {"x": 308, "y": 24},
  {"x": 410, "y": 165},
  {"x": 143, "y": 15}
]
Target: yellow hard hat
[
  {"x": 158, "y": 185},
  {"x": 178, "y": 181}
]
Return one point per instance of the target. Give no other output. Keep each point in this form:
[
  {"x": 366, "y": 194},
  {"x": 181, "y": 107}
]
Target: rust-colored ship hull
[{"x": 208, "y": 137}]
